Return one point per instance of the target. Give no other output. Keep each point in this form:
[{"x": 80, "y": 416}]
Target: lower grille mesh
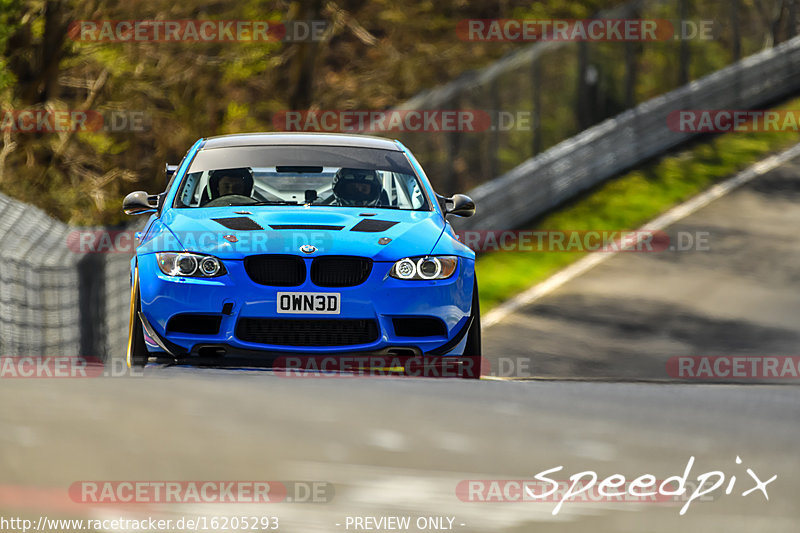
[{"x": 307, "y": 332}]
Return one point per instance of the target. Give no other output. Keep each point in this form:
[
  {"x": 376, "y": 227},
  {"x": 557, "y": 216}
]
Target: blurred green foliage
[
  {"x": 375, "y": 54},
  {"x": 627, "y": 202}
]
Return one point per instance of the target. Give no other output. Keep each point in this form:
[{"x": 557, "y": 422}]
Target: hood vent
[
  {"x": 238, "y": 223},
  {"x": 371, "y": 225},
  {"x": 306, "y": 226}
]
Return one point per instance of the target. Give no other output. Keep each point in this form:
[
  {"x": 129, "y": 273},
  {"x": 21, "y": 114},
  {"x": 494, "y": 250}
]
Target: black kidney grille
[
  {"x": 307, "y": 332},
  {"x": 276, "y": 270},
  {"x": 340, "y": 271}
]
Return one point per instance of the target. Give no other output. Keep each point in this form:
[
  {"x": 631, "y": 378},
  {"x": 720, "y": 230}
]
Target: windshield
[{"x": 297, "y": 175}]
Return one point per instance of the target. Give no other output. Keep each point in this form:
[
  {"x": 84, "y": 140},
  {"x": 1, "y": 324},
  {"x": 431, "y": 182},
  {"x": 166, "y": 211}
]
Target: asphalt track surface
[
  {"x": 401, "y": 446},
  {"x": 624, "y": 319}
]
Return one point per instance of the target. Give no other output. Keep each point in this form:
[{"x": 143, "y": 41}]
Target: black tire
[
  {"x": 137, "y": 349},
  {"x": 472, "y": 351}
]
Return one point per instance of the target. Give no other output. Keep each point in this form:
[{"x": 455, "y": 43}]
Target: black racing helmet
[
  {"x": 357, "y": 187},
  {"x": 243, "y": 173}
]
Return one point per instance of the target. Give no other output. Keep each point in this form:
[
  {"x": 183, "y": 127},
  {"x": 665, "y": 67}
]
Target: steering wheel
[{"x": 230, "y": 199}]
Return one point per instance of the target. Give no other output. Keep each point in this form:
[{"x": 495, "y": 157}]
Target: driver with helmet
[
  {"x": 229, "y": 181},
  {"x": 357, "y": 187}
]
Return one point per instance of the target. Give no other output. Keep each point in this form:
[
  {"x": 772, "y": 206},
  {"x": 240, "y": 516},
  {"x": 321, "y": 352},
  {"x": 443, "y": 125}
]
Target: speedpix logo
[{"x": 587, "y": 486}]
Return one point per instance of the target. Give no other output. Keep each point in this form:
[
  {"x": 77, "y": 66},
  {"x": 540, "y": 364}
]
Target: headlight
[
  {"x": 189, "y": 265},
  {"x": 426, "y": 268}
]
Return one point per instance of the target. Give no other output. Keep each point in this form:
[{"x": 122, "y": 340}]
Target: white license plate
[{"x": 312, "y": 303}]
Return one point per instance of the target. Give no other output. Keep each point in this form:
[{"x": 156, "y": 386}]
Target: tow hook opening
[
  {"x": 403, "y": 352},
  {"x": 211, "y": 351}
]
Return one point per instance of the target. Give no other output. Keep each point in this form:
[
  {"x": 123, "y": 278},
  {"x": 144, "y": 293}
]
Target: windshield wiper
[{"x": 276, "y": 202}]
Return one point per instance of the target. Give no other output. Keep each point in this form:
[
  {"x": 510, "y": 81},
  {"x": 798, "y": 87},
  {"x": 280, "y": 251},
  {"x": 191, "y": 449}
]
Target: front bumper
[{"x": 234, "y": 296}]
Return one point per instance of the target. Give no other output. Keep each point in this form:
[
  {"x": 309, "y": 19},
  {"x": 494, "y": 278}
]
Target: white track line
[{"x": 670, "y": 217}]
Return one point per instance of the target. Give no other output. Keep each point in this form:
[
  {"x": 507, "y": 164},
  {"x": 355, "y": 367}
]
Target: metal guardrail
[
  {"x": 39, "y": 303},
  {"x": 54, "y": 300},
  {"x": 544, "y": 182}
]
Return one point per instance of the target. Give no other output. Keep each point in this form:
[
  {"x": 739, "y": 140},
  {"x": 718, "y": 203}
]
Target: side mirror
[
  {"x": 459, "y": 205},
  {"x": 139, "y": 203},
  {"x": 169, "y": 170}
]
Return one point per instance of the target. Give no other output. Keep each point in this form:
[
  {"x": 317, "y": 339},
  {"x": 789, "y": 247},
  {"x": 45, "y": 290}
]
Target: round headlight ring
[
  {"x": 425, "y": 264},
  {"x": 185, "y": 265},
  {"x": 209, "y": 266},
  {"x": 405, "y": 269}
]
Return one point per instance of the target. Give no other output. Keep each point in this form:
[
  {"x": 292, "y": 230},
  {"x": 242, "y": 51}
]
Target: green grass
[{"x": 627, "y": 202}]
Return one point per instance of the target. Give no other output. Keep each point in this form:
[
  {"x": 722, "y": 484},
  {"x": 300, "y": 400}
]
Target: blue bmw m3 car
[{"x": 269, "y": 244}]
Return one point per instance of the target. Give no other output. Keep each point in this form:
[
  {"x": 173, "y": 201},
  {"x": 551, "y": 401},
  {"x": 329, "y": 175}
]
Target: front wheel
[
  {"x": 137, "y": 349},
  {"x": 472, "y": 351}
]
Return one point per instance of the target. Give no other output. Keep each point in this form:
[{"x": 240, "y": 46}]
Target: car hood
[{"x": 235, "y": 232}]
